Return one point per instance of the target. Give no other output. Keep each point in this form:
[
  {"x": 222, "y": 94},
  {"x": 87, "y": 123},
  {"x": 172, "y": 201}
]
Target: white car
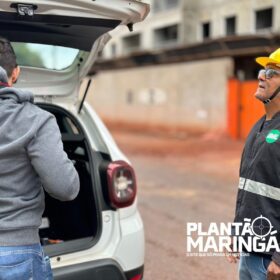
[{"x": 100, "y": 234}]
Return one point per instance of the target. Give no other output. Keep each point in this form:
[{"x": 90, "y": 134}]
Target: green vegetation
[{"x": 27, "y": 56}]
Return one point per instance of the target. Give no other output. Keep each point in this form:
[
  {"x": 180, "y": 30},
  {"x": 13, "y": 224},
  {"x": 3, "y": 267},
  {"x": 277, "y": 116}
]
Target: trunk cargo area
[{"x": 69, "y": 226}]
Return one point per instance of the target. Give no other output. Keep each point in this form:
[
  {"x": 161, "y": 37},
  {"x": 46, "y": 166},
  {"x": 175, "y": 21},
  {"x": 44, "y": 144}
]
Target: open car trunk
[
  {"x": 78, "y": 25},
  {"x": 72, "y": 225},
  {"x": 81, "y": 26}
]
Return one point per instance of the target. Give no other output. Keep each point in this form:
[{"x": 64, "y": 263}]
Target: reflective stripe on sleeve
[
  {"x": 241, "y": 183},
  {"x": 259, "y": 188}
]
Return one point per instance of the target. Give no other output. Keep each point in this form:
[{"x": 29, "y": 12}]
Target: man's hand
[
  {"x": 232, "y": 257},
  {"x": 273, "y": 271}
]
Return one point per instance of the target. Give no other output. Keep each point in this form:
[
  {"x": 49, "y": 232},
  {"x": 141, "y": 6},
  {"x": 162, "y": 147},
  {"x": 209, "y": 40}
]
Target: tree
[{"x": 26, "y": 56}]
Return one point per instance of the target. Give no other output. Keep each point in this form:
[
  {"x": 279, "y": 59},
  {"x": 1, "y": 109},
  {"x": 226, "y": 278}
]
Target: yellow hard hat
[{"x": 274, "y": 58}]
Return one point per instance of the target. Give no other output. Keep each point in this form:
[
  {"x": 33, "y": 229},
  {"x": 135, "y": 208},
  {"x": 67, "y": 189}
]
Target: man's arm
[{"x": 57, "y": 173}]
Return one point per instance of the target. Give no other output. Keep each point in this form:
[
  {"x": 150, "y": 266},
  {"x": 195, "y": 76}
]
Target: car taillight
[
  {"x": 121, "y": 184},
  {"x": 137, "y": 277}
]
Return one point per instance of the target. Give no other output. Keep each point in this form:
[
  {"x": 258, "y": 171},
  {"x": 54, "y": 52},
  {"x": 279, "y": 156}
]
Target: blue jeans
[
  {"x": 24, "y": 263},
  {"x": 253, "y": 267}
]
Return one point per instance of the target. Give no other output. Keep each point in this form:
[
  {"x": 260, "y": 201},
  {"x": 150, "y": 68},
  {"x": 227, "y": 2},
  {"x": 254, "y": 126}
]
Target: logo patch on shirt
[{"x": 272, "y": 136}]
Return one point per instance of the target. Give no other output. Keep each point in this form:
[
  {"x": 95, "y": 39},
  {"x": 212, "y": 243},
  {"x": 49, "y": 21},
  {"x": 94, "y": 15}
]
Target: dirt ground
[{"x": 185, "y": 177}]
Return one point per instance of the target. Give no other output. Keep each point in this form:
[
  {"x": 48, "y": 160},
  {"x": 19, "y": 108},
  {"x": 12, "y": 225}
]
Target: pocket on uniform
[{"x": 19, "y": 271}]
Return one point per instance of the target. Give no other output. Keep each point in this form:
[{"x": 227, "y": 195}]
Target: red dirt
[{"x": 165, "y": 141}]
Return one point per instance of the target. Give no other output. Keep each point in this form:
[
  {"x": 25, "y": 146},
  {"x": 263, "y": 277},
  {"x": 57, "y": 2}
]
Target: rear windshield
[{"x": 44, "y": 56}]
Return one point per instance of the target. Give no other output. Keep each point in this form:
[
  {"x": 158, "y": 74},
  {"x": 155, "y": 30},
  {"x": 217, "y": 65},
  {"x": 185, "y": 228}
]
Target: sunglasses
[{"x": 268, "y": 73}]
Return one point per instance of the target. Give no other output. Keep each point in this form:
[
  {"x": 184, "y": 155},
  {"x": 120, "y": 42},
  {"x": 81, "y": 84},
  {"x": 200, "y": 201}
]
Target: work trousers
[{"x": 253, "y": 267}]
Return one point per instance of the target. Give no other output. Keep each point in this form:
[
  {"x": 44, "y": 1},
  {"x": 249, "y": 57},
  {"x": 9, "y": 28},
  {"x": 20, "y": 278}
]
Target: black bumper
[{"x": 106, "y": 269}]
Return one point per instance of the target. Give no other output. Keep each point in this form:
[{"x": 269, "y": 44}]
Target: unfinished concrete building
[{"x": 174, "y": 68}]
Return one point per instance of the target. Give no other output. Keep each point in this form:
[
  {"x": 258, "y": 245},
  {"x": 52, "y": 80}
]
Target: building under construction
[{"x": 190, "y": 64}]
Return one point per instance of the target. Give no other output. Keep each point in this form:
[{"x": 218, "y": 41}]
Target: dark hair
[{"x": 7, "y": 56}]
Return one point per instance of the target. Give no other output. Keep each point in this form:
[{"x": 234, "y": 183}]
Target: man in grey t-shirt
[{"x": 32, "y": 160}]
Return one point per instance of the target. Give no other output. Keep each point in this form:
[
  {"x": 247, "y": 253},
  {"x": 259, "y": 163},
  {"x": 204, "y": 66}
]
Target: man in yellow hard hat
[
  {"x": 269, "y": 82},
  {"x": 258, "y": 198}
]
